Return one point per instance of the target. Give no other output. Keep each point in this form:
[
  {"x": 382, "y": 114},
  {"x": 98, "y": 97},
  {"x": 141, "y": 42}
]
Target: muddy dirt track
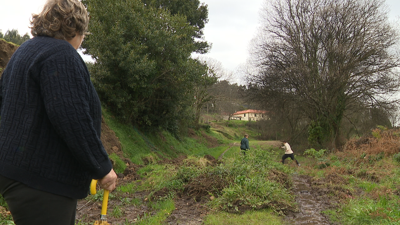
[{"x": 309, "y": 205}]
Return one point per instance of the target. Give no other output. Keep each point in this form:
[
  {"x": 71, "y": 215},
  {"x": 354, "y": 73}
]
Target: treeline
[{"x": 14, "y": 37}]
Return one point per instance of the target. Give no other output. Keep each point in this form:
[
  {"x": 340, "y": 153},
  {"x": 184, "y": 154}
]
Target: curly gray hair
[{"x": 61, "y": 19}]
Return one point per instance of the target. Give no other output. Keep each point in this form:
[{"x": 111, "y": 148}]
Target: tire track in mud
[{"x": 309, "y": 206}]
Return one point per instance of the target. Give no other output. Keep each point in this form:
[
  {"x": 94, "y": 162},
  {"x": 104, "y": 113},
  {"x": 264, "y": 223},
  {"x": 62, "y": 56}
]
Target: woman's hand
[{"x": 109, "y": 182}]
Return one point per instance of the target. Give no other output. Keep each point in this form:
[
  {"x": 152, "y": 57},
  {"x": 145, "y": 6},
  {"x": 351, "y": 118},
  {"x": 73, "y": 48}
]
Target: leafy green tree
[
  {"x": 144, "y": 72},
  {"x": 195, "y": 13},
  {"x": 14, "y": 37}
]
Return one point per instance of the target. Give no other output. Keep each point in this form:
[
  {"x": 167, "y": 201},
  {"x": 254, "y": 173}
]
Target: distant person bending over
[
  {"x": 244, "y": 144},
  {"x": 288, "y": 153}
]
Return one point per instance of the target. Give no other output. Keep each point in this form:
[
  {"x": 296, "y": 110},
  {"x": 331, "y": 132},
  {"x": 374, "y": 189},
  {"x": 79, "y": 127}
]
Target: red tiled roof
[{"x": 250, "y": 111}]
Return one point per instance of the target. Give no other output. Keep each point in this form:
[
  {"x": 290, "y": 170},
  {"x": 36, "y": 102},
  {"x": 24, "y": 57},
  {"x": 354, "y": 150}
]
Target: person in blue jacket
[
  {"x": 50, "y": 122},
  {"x": 244, "y": 144}
]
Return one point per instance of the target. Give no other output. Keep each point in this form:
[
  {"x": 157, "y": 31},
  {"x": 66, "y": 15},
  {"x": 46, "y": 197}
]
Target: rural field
[{"x": 204, "y": 179}]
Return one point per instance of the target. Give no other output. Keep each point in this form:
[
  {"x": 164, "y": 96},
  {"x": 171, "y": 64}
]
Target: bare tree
[
  {"x": 201, "y": 90},
  {"x": 222, "y": 96},
  {"x": 323, "y": 57}
]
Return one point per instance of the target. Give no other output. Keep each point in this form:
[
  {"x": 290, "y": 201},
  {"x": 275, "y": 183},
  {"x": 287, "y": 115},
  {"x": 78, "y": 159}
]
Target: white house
[{"x": 250, "y": 115}]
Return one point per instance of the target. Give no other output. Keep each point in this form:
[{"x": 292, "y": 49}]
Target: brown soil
[
  {"x": 110, "y": 140},
  {"x": 176, "y": 161},
  {"x": 187, "y": 211}
]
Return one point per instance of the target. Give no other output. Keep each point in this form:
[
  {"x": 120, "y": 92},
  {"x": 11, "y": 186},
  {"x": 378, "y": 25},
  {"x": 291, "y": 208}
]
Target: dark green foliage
[
  {"x": 195, "y": 13},
  {"x": 14, "y": 37},
  {"x": 318, "y": 132},
  {"x": 143, "y": 71}
]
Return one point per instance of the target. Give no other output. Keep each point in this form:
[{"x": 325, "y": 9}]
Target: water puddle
[{"x": 309, "y": 206}]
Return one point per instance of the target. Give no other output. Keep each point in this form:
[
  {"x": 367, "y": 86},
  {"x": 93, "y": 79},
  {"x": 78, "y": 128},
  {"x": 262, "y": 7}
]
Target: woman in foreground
[{"x": 50, "y": 124}]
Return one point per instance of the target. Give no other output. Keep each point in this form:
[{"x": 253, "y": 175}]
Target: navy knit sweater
[{"x": 50, "y": 120}]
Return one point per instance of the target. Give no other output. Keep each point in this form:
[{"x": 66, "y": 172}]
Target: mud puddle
[{"x": 308, "y": 205}]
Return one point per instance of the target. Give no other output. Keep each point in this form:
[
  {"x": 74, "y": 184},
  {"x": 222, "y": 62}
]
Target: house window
[
  {"x": 255, "y": 115},
  {"x": 245, "y": 115}
]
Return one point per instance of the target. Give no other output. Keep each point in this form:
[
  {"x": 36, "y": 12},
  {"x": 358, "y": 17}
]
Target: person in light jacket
[{"x": 288, "y": 153}]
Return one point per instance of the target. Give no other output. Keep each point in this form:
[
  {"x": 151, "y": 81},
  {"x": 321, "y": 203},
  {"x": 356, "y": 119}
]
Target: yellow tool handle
[
  {"x": 105, "y": 197},
  {"x": 93, "y": 187},
  {"x": 105, "y": 202}
]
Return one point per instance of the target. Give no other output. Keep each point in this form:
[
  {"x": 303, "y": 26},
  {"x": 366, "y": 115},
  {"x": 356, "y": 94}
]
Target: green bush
[
  {"x": 186, "y": 173},
  {"x": 315, "y": 153}
]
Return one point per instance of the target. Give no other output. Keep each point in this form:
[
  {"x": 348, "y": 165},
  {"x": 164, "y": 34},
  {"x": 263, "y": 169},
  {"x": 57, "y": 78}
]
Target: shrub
[{"x": 314, "y": 153}]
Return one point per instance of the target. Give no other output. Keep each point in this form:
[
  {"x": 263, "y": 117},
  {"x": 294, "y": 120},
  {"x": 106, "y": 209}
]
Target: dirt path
[
  {"x": 231, "y": 145},
  {"x": 309, "y": 206}
]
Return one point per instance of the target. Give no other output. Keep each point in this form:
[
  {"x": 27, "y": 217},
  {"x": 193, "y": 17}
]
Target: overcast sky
[{"x": 232, "y": 24}]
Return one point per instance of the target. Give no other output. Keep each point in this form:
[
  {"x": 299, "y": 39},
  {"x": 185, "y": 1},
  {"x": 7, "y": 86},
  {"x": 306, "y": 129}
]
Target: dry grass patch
[{"x": 386, "y": 141}]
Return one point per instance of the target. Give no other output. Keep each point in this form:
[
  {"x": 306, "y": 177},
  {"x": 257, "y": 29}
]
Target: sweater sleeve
[
  {"x": 1, "y": 93},
  {"x": 67, "y": 94}
]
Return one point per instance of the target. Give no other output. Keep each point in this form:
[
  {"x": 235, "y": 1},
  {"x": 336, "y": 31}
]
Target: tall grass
[{"x": 367, "y": 211}]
